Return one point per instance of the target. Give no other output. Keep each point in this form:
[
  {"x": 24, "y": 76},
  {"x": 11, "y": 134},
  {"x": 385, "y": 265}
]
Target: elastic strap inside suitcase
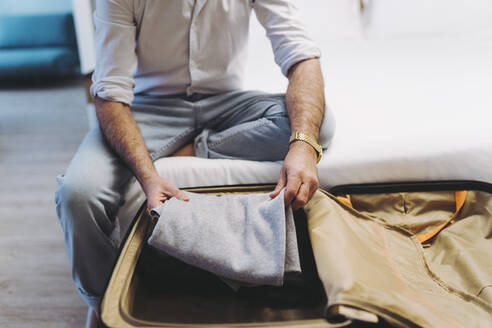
[{"x": 460, "y": 197}]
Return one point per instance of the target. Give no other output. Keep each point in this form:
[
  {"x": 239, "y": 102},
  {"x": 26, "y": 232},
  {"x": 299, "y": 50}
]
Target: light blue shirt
[{"x": 169, "y": 47}]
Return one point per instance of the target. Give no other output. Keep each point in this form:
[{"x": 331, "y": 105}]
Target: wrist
[
  {"x": 305, "y": 148},
  {"x": 146, "y": 178},
  {"x": 302, "y": 138}
]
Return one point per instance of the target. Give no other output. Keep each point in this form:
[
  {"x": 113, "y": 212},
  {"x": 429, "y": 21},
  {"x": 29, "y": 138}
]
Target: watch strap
[{"x": 299, "y": 136}]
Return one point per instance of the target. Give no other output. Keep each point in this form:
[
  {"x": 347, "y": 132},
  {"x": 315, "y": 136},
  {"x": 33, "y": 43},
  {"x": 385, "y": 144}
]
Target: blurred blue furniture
[{"x": 33, "y": 46}]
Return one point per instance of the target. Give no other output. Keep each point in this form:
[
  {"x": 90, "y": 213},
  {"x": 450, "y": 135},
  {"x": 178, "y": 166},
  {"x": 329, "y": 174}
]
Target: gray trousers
[{"x": 235, "y": 125}]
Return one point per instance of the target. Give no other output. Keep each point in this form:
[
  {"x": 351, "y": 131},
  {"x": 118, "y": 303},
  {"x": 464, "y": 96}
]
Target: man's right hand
[
  {"x": 123, "y": 135},
  {"x": 158, "y": 190}
]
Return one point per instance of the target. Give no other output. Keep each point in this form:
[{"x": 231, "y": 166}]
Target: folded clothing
[{"x": 244, "y": 239}]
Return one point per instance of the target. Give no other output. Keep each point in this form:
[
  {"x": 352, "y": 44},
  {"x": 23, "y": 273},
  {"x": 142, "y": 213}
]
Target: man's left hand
[{"x": 299, "y": 175}]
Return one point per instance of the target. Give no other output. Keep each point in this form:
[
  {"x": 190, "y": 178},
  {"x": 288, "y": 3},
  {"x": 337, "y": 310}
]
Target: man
[{"x": 168, "y": 82}]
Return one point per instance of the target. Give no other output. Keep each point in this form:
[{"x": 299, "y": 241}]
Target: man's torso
[{"x": 190, "y": 45}]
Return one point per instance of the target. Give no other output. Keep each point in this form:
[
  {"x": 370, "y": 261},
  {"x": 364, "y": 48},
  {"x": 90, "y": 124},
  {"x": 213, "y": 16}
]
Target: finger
[
  {"x": 154, "y": 202},
  {"x": 179, "y": 194},
  {"x": 313, "y": 187},
  {"x": 301, "y": 197},
  {"x": 280, "y": 185},
  {"x": 293, "y": 185}
]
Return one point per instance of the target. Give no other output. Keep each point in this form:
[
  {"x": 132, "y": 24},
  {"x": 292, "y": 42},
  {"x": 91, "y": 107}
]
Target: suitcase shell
[{"x": 128, "y": 303}]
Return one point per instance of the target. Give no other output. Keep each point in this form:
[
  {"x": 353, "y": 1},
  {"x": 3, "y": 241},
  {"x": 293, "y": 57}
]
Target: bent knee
[
  {"x": 82, "y": 204},
  {"x": 277, "y": 114},
  {"x": 275, "y": 108},
  {"x": 75, "y": 191}
]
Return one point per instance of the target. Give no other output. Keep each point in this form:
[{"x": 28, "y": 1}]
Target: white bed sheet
[{"x": 407, "y": 110}]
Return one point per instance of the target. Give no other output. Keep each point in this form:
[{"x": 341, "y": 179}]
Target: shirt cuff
[
  {"x": 112, "y": 92},
  {"x": 291, "y": 55}
]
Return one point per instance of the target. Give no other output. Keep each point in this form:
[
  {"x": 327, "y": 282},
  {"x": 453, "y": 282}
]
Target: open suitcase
[{"x": 398, "y": 275}]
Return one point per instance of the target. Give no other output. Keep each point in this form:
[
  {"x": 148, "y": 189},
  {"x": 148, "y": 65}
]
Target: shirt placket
[{"x": 193, "y": 46}]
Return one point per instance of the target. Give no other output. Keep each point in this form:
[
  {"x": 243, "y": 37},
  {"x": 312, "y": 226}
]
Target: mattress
[{"x": 407, "y": 110}]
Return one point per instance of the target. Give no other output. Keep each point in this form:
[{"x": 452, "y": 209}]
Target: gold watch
[{"x": 299, "y": 136}]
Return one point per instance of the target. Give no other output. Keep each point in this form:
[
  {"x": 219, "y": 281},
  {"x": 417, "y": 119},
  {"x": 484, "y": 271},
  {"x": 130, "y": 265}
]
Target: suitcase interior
[{"x": 138, "y": 297}]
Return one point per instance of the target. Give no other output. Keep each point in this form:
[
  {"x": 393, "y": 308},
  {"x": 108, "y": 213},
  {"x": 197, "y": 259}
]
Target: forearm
[
  {"x": 305, "y": 104},
  {"x": 305, "y": 100},
  {"x": 123, "y": 135}
]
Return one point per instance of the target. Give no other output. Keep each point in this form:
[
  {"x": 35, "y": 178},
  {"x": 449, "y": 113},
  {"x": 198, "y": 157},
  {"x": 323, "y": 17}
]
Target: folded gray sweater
[{"x": 247, "y": 239}]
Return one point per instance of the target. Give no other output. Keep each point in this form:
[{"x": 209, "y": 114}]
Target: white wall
[
  {"x": 410, "y": 18},
  {"x": 327, "y": 22},
  {"x": 82, "y": 13},
  {"x": 388, "y": 26}
]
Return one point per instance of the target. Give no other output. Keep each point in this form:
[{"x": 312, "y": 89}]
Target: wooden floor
[{"x": 40, "y": 129}]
